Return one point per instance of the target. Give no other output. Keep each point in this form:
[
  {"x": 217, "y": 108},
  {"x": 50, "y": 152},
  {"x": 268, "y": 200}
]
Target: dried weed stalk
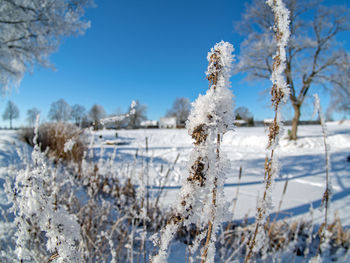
[
  {"x": 328, "y": 191},
  {"x": 279, "y": 93},
  {"x": 210, "y": 118}
]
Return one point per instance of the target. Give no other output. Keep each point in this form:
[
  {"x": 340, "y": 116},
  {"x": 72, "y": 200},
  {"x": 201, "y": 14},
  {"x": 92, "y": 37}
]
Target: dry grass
[
  {"x": 289, "y": 237},
  {"x": 52, "y": 137}
]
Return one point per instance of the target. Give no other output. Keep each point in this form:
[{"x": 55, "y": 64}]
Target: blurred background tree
[
  {"x": 60, "y": 111},
  {"x": 314, "y": 56},
  {"x": 11, "y": 112},
  {"x": 181, "y": 109}
]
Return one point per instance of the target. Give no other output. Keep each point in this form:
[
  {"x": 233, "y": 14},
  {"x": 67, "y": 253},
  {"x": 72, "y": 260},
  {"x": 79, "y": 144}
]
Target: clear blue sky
[{"x": 153, "y": 51}]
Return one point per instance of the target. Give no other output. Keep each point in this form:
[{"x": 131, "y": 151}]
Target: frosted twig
[
  {"x": 235, "y": 199},
  {"x": 281, "y": 201},
  {"x": 328, "y": 191},
  {"x": 166, "y": 180},
  {"x": 279, "y": 94}
]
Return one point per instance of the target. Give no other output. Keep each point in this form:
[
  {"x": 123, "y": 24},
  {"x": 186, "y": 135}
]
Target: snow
[
  {"x": 151, "y": 123},
  {"x": 302, "y": 162}
]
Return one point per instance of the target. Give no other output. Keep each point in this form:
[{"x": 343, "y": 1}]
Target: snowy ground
[{"x": 302, "y": 162}]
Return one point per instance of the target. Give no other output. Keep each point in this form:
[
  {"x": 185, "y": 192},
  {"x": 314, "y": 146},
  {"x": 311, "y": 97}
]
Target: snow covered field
[
  {"x": 302, "y": 162},
  {"x": 155, "y": 151}
]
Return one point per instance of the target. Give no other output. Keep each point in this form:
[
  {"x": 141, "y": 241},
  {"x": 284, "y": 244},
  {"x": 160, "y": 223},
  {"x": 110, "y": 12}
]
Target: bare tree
[
  {"x": 314, "y": 56},
  {"x": 32, "y": 30},
  {"x": 139, "y": 114},
  {"x": 120, "y": 123},
  {"x": 242, "y": 113},
  {"x": 181, "y": 109},
  {"x": 96, "y": 113},
  {"x": 11, "y": 112},
  {"x": 31, "y": 116},
  {"x": 60, "y": 111},
  {"x": 340, "y": 99},
  {"x": 78, "y": 114}
]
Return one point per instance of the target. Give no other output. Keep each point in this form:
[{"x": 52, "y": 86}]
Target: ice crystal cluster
[
  {"x": 282, "y": 31},
  {"x": 201, "y": 201},
  {"x": 280, "y": 90},
  {"x": 215, "y": 108}
]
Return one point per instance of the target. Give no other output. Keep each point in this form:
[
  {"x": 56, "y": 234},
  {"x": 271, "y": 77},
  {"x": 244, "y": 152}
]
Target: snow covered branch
[{"x": 32, "y": 30}]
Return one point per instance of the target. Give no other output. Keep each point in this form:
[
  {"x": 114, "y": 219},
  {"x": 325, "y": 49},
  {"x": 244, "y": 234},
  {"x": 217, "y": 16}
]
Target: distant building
[
  {"x": 181, "y": 124},
  {"x": 167, "y": 123},
  {"x": 267, "y": 122},
  {"x": 149, "y": 124},
  {"x": 240, "y": 123}
]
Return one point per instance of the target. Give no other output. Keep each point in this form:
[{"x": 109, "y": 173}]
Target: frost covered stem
[
  {"x": 327, "y": 193},
  {"x": 211, "y": 116},
  {"x": 279, "y": 92},
  {"x": 166, "y": 180},
  {"x": 229, "y": 225},
  {"x": 53, "y": 257},
  {"x": 213, "y": 78}
]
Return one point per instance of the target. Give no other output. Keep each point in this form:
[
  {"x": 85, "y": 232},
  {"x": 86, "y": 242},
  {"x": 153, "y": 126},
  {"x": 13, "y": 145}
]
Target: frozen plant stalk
[
  {"x": 279, "y": 94},
  {"x": 328, "y": 190},
  {"x": 327, "y": 193},
  {"x": 201, "y": 197}
]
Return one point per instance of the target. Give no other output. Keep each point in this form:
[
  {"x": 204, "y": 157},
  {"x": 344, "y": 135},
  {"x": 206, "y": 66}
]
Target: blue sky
[{"x": 153, "y": 51}]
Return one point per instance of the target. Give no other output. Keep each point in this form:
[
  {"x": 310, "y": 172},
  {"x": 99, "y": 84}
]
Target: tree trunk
[
  {"x": 295, "y": 122},
  {"x": 10, "y": 123}
]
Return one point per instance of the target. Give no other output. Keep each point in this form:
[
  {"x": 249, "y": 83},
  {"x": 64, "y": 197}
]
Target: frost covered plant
[
  {"x": 326, "y": 195},
  {"x": 201, "y": 201},
  {"x": 324, "y": 233},
  {"x": 36, "y": 209},
  {"x": 279, "y": 94},
  {"x": 111, "y": 204}
]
